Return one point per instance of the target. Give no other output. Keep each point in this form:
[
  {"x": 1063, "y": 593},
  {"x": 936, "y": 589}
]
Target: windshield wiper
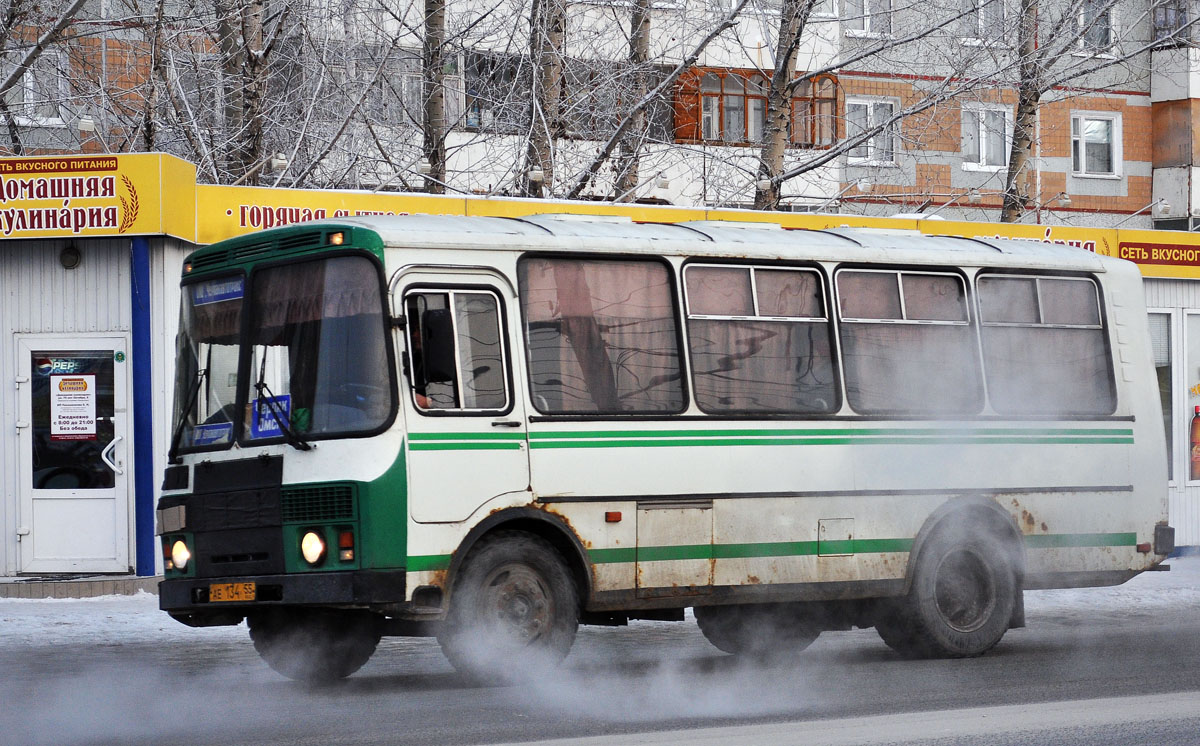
[
  {"x": 260, "y": 387},
  {"x": 173, "y": 452}
]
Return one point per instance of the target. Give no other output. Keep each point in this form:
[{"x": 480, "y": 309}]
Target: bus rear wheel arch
[
  {"x": 962, "y": 598},
  {"x": 315, "y": 646},
  {"x": 513, "y": 608}
]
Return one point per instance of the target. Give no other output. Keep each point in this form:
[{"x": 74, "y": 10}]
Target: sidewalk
[{"x": 77, "y": 586}]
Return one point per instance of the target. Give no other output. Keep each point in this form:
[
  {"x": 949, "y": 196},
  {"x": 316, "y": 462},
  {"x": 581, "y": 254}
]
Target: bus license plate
[{"x": 218, "y": 592}]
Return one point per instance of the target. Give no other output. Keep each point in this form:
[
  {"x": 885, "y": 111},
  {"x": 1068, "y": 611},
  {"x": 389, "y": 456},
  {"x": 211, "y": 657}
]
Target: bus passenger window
[
  {"x": 601, "y": 336},
  {"x": 907, "y": 343},
  {"x": 1044, "y": 345},
  {"x": 456, "y": 351},
  {"x": 759, "y": 340}
]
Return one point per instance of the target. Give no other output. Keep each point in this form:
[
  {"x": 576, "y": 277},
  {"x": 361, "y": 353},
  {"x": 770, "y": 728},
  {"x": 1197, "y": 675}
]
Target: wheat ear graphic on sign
[{"x": 129, "y": 210}]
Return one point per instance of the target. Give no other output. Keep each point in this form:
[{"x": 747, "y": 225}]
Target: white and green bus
[{"x": 493, "y": 430}]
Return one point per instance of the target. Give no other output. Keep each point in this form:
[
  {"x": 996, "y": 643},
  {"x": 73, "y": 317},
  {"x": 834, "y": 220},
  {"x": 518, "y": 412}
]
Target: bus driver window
[{"x": 456, "y": 355}]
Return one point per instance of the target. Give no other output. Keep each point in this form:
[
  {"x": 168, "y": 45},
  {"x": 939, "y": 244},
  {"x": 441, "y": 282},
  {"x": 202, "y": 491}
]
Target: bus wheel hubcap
[
  {"x": 517, "y": 600},
  {"x": 964, "y": 591}
]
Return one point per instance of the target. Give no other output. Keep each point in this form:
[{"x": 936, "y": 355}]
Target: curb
[{"x": 87, "y": 587}]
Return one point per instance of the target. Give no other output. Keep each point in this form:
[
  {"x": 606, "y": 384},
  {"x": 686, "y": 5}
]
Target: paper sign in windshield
[
  {"x": 73, "y": 407},
  {"x": 267, "y": 412}
]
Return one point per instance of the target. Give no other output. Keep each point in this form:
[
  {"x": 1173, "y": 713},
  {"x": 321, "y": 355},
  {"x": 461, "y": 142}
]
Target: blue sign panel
[
  {"x": 206, "y": 435},
  {"x": 215, "y": 291},
  {"x": 264, "y": 424}
]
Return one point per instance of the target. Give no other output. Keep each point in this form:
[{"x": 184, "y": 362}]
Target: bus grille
[{"x": 334, "y": 502}]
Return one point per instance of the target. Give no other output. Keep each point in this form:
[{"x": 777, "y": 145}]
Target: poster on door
[{"x": 73, "y": 407}]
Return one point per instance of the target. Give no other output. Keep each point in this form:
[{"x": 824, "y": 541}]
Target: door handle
[
  {"x": 104, "y": 456},
  {"x": 505, "y": 423}
]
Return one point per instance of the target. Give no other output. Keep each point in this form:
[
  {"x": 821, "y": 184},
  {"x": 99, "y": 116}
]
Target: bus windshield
[{"x": 316, "y": 348}]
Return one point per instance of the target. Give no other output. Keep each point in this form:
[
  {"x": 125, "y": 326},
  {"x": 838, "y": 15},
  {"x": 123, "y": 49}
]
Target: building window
[
  {"x": 1095, "y": 26},
  {"x": 730, "y": 107},
  {"x": 874, "y": 121},
  {"x": 986, "y": 135},
  {"x": 495, "y": 101},
  {"x": 1095, "y": 144},
  {"x": 39, "y": 98},
  {"x": 983, "y": 19},
  {"x": 1171, "y": 21},
  {"x": 868, "y": 16}
]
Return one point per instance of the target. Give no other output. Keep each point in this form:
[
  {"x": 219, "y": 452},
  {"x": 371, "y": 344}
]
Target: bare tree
[{"x": 24, "y": 19}]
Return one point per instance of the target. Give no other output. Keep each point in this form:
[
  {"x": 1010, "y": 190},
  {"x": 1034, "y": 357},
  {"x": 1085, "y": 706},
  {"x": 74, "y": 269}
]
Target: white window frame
[
  {"x": 32, "y": 81},
  {"x": 1085, "y": 47},
  {"x": 862, "y": 24},
  {"x": 1117, "y": 141},
  {"x": 1179, "y": 433},
  {"x": 982, "y": 133},
  {"x": 893, "y": 129},
  {"x": 983, "y": 29}
]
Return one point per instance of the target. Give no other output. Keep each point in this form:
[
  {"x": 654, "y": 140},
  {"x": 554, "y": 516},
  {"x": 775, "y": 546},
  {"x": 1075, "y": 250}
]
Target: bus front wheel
[
  {"x": 315, "y": 645},
  {"x": 513, "y": 608},
  {"x": 961, "y": 600},
  {"x": 757, "y": 630}
]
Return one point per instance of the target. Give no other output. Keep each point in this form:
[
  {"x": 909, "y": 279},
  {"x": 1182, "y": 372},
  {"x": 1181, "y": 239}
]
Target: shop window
[
  {"x": 1160, "y": 346},
  {"x": 730, "y": 107}
]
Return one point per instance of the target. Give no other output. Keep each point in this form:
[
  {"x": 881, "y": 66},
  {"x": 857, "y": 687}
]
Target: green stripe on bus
[
  {"x": 467, "y": 436},
  {"x": 1056, "y": 541},
  {"x": 822, "y": 441},
  {"x": 615, "y": 555},
  {"x": 464, "y": 446},
  {"x": 427, "y": 562},
  {"x": 811, "y": 548},
  {"x": 625, "y": 555},
  {"x": 851, "y": 432}
]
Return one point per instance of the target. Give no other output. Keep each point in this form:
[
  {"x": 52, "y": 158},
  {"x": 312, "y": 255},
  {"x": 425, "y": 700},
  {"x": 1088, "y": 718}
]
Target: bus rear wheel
[
  {"x": 756, "y": 630},
  {"x": 514, "y": 608},
  {"x": 961, "y": 600},
  {"x": 315, "y": 646}
]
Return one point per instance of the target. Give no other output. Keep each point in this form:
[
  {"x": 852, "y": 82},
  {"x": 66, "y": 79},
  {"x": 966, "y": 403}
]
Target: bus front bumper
[{"x": 203, "y": 601}]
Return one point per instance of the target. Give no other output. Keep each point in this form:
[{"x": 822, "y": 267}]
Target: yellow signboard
[
  {"x": 96, "y": 195},
  {"x": 156, "y": 194}
]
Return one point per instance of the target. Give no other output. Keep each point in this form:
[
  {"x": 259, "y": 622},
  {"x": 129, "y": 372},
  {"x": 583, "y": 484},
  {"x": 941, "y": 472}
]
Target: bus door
[{"x": 466, "y": 427}]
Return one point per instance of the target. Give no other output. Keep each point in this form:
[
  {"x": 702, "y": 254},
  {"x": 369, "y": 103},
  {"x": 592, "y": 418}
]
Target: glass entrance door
[{"x": 74, "y": 494}]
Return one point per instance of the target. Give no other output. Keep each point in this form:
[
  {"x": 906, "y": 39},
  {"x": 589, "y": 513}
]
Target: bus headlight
[
  {"x": 180, "y": 555},
  {"x": 312, "y": 548}
]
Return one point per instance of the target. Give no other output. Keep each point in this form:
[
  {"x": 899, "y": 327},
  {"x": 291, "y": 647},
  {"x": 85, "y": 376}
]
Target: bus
[{"x": 492, "y": 430}]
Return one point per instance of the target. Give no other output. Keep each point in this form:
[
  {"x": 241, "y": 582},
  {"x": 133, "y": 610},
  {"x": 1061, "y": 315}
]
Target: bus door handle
[
  {"x": 104, "y": 456},
  {"x": 505, "y": 423}
]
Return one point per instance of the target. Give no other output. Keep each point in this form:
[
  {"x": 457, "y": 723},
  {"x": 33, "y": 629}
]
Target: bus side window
[
  {"x": 907, "y": 342},
  {"x": 456, "y": 351},
  {"x": 1044, "y": 345}
]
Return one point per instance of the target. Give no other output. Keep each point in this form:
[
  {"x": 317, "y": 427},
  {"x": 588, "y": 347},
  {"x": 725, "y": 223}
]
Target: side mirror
[{"x": 437, "y": 346}]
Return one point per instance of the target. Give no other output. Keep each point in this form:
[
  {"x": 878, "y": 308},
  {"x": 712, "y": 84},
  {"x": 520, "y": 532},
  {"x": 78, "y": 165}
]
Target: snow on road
[{"x": 111, "y": 620}]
